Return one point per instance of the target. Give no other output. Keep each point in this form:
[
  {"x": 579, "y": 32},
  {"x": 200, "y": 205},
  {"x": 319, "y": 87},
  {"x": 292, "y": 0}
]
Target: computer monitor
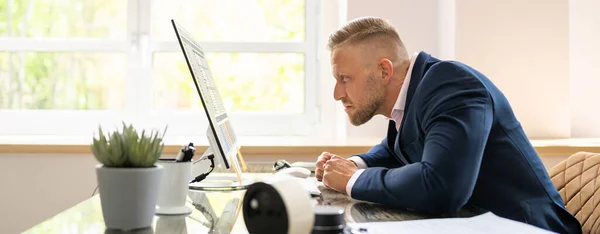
[{"x": 223, "y": 143}]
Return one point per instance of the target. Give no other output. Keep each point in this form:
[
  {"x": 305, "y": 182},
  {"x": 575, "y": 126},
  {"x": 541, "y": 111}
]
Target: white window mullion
[
  {"x": 311, "y": 61},
  {"x": 235, "y": 47},
  {"x": 133, "y": 61},
  {"x": 139, "y": 81},
  {"x": 195, "y": 123},
  {"x": 145, "y": 79},
  {"x": 57, "y": 122}
]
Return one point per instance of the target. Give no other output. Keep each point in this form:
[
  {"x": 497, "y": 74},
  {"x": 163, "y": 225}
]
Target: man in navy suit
[{"x": 453, "y": 140}]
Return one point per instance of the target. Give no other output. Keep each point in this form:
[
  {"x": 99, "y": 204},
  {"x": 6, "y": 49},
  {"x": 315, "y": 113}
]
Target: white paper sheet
[{"x": 484, "y": 223}]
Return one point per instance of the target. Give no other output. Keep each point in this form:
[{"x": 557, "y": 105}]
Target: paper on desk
[{"x": 484, "y": 223}]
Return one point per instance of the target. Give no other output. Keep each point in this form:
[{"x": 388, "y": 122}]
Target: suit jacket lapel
[{"x": 392, "y": 141}]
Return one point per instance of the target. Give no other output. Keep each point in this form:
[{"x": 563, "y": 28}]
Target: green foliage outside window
[{"x": 94, "y": 80}]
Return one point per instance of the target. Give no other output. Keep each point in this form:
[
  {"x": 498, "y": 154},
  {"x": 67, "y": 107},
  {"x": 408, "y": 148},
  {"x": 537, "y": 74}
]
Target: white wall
[
  {"x": 584, "y": 25},
  {"x": 36, "y": 187},
  {"x": 523, "y": 47}
]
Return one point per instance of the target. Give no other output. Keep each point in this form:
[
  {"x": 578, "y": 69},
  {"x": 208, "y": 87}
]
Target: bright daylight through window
[{"x": 68, "y": 65}]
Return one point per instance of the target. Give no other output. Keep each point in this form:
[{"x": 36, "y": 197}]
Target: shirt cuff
[
  {"x": 359, "y": 162},
  {"x": 352, "y": 180}
]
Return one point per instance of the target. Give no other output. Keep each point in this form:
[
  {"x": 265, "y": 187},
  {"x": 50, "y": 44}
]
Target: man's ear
[{"x": 387, "y": 69}]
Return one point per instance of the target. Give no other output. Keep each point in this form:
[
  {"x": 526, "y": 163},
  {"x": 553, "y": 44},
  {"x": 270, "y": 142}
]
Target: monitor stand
[
  {"x": 217, "y": 182},
  {"x": 220, "y": 183}
]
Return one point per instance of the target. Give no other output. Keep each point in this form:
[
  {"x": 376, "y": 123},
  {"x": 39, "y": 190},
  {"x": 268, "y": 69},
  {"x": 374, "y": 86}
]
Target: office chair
[{"x": 577, "y": 179}]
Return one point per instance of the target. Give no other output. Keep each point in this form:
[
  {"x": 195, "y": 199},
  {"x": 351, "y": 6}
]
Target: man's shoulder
[
  {"x": 440, "y": 79},
  {"x": 450, "y": 69},
  {"x": 451, "y": 76}
]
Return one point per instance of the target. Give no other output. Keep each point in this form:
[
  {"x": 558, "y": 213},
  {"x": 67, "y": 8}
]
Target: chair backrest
[{"x": 578, "y": 181}]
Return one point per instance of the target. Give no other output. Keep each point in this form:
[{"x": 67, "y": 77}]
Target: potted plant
[{"x": 128, "y": 176}]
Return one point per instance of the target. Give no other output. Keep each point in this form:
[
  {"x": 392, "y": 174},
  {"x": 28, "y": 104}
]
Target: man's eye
[{"x": 345, "y": 79}]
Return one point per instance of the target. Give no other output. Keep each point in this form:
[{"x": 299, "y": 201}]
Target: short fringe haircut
[{"x": 361, "y": 29}]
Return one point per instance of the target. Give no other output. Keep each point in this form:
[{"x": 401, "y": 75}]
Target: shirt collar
[{"x": 401, "y": 100}]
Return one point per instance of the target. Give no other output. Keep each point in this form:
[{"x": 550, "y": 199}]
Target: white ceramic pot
[
  {"x": 128, "y": 195},
  {"x": 173, "y": 188}
]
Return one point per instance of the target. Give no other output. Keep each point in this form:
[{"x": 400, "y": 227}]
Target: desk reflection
[
  {"x": 356, "y": 211},
  {"x": 171, "y": 224},
  {"x": 213, "y": 213},
  {"x": 220, "y": 211}
]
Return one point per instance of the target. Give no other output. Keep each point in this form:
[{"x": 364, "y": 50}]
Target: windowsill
[
  {"x": 198, "y": 140},
  {"x": 288, "y": 145}
]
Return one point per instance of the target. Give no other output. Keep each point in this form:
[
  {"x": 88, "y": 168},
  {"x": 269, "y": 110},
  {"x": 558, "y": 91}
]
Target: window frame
[{"x": 139, "y": 47}]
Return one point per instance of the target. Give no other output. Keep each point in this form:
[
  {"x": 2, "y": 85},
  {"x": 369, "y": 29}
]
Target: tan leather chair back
[{"x": 578, "y": 181}]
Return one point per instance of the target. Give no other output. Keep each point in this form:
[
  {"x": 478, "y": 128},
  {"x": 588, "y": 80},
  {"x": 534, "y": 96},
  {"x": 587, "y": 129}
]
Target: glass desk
[{"x": 218, "y": 212}]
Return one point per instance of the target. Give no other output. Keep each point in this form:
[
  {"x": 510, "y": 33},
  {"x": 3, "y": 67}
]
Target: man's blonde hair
[{"x": 363, "y": 29}]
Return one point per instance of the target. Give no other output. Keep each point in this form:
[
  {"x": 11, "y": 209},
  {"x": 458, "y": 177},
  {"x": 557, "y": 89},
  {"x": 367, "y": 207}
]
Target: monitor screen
[{"x": 225, "y": 146}]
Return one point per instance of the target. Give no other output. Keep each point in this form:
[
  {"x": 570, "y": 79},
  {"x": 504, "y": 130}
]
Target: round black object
[
  {"x": 264, "y": 210},
  {"x": 328, "y": 220}
]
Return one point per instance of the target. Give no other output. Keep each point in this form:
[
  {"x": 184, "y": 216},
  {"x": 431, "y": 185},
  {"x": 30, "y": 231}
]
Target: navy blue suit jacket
[{"x": 460, "y": 145}]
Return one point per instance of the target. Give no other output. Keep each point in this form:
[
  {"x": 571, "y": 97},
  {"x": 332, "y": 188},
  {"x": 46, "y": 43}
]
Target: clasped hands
[{"x": 334, "y": 171}]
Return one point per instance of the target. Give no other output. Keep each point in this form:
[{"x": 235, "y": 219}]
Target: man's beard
[{"x": 374, "y": 99}]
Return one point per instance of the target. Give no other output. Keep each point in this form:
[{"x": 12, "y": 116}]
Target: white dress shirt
[{"x": 397, "y": 114}]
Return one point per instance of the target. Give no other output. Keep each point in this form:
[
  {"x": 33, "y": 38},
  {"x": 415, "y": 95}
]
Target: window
[{"x": 67, "y": 66}]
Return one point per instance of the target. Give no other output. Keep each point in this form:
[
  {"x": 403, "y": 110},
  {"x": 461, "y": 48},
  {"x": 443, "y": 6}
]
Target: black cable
[
  {"x": 281, "y": 164},
  {"x": 204, "y": 175},
  {"x": 94, "y": 192}
]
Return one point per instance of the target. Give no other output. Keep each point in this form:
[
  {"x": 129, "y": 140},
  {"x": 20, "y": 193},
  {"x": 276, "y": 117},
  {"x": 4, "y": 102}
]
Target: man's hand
[
  {"x": 337, "y": 173},
  {"x": 325, "y": 156}
]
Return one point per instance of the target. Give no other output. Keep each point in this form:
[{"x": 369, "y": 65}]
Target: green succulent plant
[{"x": 126, "y": 148}]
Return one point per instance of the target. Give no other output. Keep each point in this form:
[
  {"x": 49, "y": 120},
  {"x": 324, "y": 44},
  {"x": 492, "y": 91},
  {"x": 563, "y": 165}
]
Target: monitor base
[
  {"x": 220, "y": 183},
  {"x": 179, "y": 210}
]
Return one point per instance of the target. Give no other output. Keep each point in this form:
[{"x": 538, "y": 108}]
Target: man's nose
[{"x": 339, "y": 92}]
